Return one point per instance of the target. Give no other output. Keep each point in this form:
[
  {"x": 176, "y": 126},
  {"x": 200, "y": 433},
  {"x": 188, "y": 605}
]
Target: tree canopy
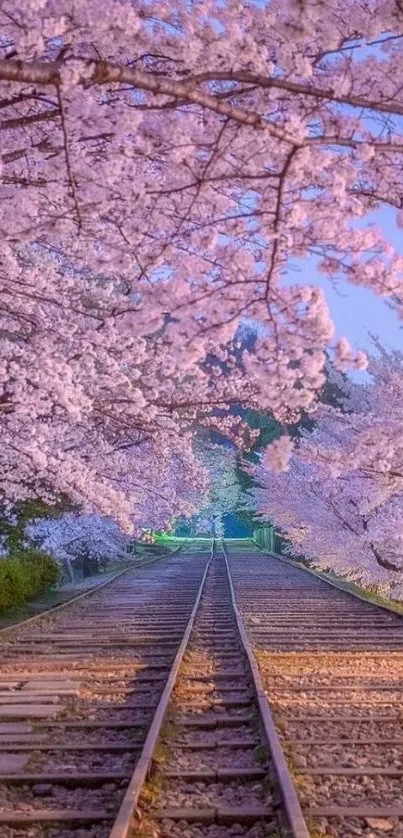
[{"x": 164, "y": 167}]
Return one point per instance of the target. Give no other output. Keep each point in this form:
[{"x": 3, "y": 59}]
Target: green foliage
[
  {"x": 25, "y": 575},
  {"x": 268, "y": 427},
  {"x": 26, "y": 511},
  {"x": 269, "y": 430}
]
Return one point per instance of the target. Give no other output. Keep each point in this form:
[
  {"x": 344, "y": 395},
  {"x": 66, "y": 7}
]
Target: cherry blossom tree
[
  {"x": 73, "y": 535},
  {"x": 100, "y": 411},
  {"x": 223, "y": 492},
  {"x": 164, "y": 165},
  {"x": 339, "y": 499}
]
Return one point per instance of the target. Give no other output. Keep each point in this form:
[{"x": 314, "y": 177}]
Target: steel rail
[
  {"x": 32, "y": 693},
  {"x": 124, "y": 825},
  {"x": 56, "y": 608},
  {"x": 288, "y": 792},
  {"x": 124, "y": 820},
  {"x": 328, "y": 618},
  {"x": 332, "y": 582}
]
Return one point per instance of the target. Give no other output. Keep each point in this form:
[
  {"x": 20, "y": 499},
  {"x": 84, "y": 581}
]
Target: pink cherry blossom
[
  {"x": 341, "y": 501},
  {"x": 277, "y": 455},
  {"x": 164, "y": 166}
]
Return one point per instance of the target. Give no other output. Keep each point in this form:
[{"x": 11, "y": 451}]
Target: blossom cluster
[
  {"x": 165, "y": 166},
  {"x": 341, "y": 501}
]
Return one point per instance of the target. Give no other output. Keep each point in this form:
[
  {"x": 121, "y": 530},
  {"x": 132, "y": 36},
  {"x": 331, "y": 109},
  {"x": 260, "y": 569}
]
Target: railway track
[
  {"x": 141, "y": 709},
  {"x": 332, "y": 669},
  {"x": 78, "y": 691},
  {"x": 212, "y": 767}
]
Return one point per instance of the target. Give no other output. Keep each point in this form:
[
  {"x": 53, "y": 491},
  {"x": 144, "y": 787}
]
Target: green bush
[{"x": 25, "y": 575}]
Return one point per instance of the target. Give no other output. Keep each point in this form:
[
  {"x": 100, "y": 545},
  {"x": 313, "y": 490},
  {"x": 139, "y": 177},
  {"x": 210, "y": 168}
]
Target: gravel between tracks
[
  {"x": 52, "y": 796},
  {"x": 202, "y": 694},
  {"x": 37, "y": 831},
  {"x": 365, "y": 827},
  {"x": 214, "y": 794},
  {"x": 182, "y": 829},
  {"x": 218, "y": 735},
  {"x": 234, "y": 757}
]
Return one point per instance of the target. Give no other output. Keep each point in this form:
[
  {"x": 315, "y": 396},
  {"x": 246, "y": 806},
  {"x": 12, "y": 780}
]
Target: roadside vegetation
[{"x": 25, "y": 575}]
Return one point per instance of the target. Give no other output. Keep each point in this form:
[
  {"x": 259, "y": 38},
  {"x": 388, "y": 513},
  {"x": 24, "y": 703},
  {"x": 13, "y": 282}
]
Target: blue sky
[{"x": 357, "y": 311}]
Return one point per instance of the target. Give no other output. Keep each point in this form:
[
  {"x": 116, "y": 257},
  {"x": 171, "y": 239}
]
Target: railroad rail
[
  {"x": 332, "y": 669},
  {"x": 78, "y": 690},
  {"x": 87, "y": 591},
  {"x": 212, "y": 764},
  {"x": 169, "y": 703}
]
